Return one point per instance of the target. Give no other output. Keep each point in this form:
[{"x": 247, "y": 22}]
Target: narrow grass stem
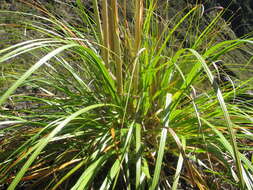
[
  {"x": 98, "y": 20},
  {"x": 106, "y": 47},
  {"x": 116, "y": 46},
  {"x": 138, "y": 34}
]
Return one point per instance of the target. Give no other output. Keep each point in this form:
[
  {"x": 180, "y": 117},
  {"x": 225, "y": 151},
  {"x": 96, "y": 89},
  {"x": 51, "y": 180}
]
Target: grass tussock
[{"x": 124, "y": 97}]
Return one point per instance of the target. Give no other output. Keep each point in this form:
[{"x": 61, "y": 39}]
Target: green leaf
[
  {"x": 164, "y": 132},
  {"x": 44, "y": 141},
  {"x": 32, "y": 69}
]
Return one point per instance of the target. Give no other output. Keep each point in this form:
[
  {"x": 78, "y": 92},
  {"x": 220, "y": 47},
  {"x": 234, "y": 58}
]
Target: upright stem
[
  {"x": 110, "y": 24},
  {"x": 138, "y": 23},
  {"x": 106, "y": 47},
  {"x": 102, "y": 33},
  {"x": 116, "y": 46},
  {"x": 138, "y": 32},
  {"x": 97, "y": 19}
]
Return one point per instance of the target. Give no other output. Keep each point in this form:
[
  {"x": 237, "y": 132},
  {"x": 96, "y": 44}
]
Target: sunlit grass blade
[
  {"x": 162, "y": 144},
  {"x": 89, "y": 173},
  {"x": 207, "y": 30},
  {"x": 159, "y": 160},
  {"x": 138, "y": 155},
  {"x": 228, "y": 147},
  {"x": 163, "y": 46},
  {"x": 71, "y": 172},
  {"x": 178, "y": 170},
  {"x": 221, "y": 48},
  {"x": 44, "y": 141},
  {"x": 21, "y": 45},
  {"x": 32, "y": 69},
  {"x": 115, "y": 169},
  {"x": 226, "y": 115},
  {"x": 27, "y": 48}
]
